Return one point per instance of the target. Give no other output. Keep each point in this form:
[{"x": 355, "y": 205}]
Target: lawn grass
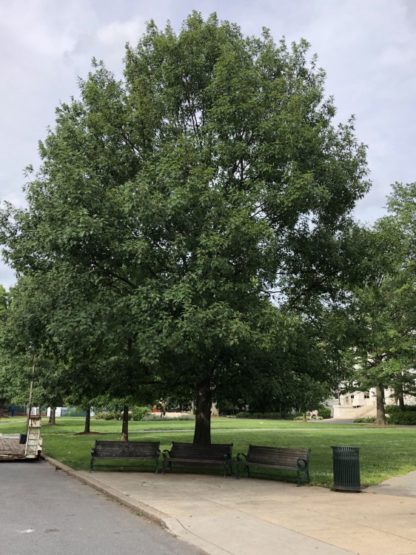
[{"x": 384, "y": 452}]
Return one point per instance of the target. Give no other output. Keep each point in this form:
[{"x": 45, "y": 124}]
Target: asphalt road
[{"x": 46, "y": 512}]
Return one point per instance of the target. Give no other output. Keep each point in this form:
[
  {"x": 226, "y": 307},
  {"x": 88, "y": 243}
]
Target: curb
[{"x": 139, "y": 508}]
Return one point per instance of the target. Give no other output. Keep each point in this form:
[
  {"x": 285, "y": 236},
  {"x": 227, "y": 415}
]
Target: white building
[{"x": 362, "y": 404}]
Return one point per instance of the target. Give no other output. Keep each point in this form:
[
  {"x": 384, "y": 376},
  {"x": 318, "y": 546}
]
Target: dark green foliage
[
  {"x": 203, "y": 206},
  {"x": 324, "y": 412},
  {"x": 383, "y": 310},
  {"x": 403, "y": 416},
  {"x": 107, "y": 415},
  {"x": 394, "y": 409},
  {"x": 138, "y": 413},
  {"x": 265, "y": 415}
]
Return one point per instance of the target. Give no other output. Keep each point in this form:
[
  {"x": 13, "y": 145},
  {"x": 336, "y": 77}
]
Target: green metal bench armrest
[
  {"x": 240, "y": 456},
  {"x": 302, "y": 464}
]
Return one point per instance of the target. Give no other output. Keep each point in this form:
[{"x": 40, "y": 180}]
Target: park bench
[
  {"x": 190, "y": 454},
  {"x": 280, "y": 458},
  {"x": 144, "y": 450}
]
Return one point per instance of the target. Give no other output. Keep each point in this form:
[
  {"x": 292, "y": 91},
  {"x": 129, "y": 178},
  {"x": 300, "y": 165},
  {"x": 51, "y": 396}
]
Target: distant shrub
[
  {"x": 243, "y": 415},
  {"x": 264, "y": 415},
  {"x": 393, "y": 409},
  {"x": 365, "y": 420},
  {"x": 153, "y": 417},
  {"x": 107, "y": 415},
  {"x": 406, "y": 417},
  {"x": 138, "y": 413},
  {"x": 324, "y": 412}
]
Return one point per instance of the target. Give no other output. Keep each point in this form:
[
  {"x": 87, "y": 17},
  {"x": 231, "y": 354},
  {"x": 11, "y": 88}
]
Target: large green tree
[{"x": 205, "y": 186}]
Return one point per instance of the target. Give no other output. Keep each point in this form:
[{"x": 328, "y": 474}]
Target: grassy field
[{"x": 384, "y": 452}]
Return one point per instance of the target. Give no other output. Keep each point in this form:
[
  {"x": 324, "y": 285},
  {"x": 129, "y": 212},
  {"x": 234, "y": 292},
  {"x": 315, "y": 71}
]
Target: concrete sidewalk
[{"x": 248, "y": 516}]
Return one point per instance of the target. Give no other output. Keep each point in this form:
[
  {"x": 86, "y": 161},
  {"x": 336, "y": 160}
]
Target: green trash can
[{"x": 346, "y": 467}]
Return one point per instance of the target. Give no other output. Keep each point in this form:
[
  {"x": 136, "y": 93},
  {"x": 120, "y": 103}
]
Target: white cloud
[
  {"x": 118, "y": 33},
  {"x": 368, "y": 50}
]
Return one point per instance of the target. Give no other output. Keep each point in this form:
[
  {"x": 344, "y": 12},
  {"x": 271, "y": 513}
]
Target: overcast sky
[{"x": 368, "y": 49}]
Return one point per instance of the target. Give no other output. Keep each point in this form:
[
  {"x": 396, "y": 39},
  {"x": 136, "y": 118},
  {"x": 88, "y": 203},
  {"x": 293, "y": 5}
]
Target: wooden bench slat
[
  {"x": 208, "y": 461},
  {"x": 184, "y": 453},
  {"x": 281, "y": 458},
  {"x": 126, "y": 450},
  {"x": 214, "y": 451}
]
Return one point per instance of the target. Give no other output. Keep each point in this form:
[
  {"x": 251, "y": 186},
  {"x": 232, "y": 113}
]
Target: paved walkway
[
  {"x": 402, "y": 486},
  {"x": 248, "y": 516}
]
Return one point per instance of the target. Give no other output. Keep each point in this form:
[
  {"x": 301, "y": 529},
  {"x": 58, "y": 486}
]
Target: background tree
[
  {"x": 27, "y": 349},
  {"x": 384, "y": 308},
  {"x": 5, "y": 390}
]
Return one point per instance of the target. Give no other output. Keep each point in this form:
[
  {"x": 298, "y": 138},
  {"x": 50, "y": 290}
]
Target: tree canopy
[{"x": 205, "y": 198}]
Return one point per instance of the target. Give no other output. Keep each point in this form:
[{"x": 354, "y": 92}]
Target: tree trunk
[
  {"x": 87, "y": 425},
  {"x": 380, "y": 413},
  {"x": 125, "y": 424},
  {"x": 125, "y": 419},
  {"x": 52, "y": 416},
  {"x": 203, "y": 402},
  {"x": 400, "y": 397}
]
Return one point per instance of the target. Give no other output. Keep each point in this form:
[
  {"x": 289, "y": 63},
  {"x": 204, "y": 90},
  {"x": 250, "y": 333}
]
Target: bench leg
[
  {"x": 303, "y": 476},
  {"x": 236, "y": 470},
  {"x": 228, "y": 469},
  {"x": 166, "y": 464},
  {"x": 240, "y": 466},
  {"x": 91, "y": 464}
]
